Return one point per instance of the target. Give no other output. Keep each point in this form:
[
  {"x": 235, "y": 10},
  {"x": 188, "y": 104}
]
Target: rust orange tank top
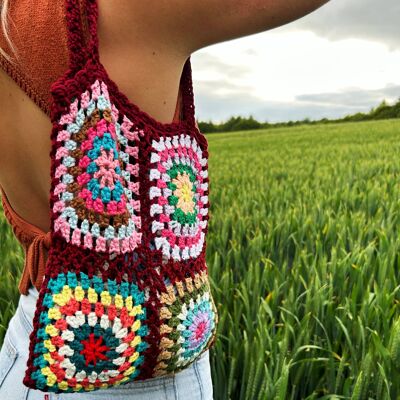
[
  {"x": 43, "y": 58},
  {"x": 35, "y": 243}
]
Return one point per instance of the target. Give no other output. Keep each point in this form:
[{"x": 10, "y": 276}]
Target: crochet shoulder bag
[{"x": 126, "y": 294}]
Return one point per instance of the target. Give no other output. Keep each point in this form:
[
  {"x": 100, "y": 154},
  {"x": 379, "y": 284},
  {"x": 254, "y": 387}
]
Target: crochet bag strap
[
  {"x": 80, "y": 48},
  {"x": 80, "y": 51}
]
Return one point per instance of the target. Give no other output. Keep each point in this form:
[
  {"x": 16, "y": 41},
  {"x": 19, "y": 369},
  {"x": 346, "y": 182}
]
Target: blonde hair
[{"x": 5, "y": 19}]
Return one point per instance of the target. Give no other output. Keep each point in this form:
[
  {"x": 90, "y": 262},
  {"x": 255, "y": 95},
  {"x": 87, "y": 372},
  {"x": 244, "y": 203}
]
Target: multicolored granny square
[
  {"x": 188, "y": 323},
  {"x": 97, "y": 184},
  {"x": 179, "y": 193},
  {"x": 91, "y": 335}
]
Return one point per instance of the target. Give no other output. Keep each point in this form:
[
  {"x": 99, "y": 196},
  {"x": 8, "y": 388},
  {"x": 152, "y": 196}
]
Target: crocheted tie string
[
  {"x": 36, "y": 243},
  {"x": 35, "y": 260}
]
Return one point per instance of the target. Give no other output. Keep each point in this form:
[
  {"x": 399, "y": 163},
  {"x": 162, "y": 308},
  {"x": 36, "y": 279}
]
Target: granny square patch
[
  {"x": 179, "y": 193},
  {"x": 97, "y": 183},
  {"x": 91, "y": 334},
  {"x": 188, "y": 320}
]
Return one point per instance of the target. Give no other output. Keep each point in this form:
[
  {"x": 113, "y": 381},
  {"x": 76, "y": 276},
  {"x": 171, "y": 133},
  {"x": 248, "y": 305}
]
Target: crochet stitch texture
[{"x": 126, "y": 294}]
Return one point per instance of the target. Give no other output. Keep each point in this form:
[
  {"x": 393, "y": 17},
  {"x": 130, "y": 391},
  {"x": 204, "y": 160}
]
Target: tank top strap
[
  {"x": 188, "y": 95},
  {"x": 82, "y": 48}
]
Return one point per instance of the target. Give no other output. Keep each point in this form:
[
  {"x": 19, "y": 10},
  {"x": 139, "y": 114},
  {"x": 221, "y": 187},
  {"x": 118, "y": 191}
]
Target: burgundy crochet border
[{"x": 85, "y": 68}]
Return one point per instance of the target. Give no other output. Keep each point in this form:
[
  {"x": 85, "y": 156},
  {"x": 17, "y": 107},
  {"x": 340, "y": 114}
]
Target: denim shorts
[{"x": 192, "y": 383}]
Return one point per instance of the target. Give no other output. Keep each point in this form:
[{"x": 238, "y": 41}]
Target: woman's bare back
[{"x": 143, "y": 46}]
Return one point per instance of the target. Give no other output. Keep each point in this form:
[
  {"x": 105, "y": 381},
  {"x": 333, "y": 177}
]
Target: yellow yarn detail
[
  {"x": 54, "y": 313},
  {"x": 104, "y": 385},
  {"x": 105, "y": 298},
  {"x": 124, "y": 379},
  {"x": 46, "y": 371},
  {"x": 59, "y": 299},
  {"x": 62, "y": 298},
  {"x": 134, "y": 357},
  {"x": 50, "y": 346},
  {"x": 51, "y": 330},
  {"x": 90, "y": 387},
  {"x": 135, "y": 326},
  {"x": 63, "y": 385},
  {"x": 79, "y": 293},
  {"x": 77, "y": 387},
  {"x": 67, "y": 291},
  {"x": 92, "y": 295},
  {"x": 135, "y": 341},
  {"x": 135, "y": 311},
  {"x": 118, "y": 301},
  {"x": 51, "y": 380},
  {"x": 130, "y": 370},
  {"x": 48, "y": 358},
  {"x": 129, "y": 303},
  {"x": 51, "y": 377}
]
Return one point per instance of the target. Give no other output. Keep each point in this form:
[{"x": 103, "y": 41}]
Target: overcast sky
[{"x": 341, "y": 59}]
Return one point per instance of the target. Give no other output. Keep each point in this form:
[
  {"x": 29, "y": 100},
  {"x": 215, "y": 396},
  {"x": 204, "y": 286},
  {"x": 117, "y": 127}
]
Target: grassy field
[{"x": 303, "y": 253}]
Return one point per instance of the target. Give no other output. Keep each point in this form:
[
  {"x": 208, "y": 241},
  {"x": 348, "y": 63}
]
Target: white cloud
[
  {"x": 364, "y": 19},
  {"x": 291, "y": 72}
]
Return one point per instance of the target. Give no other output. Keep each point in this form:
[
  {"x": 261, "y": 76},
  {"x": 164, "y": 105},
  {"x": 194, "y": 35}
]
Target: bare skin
[{"x": 159, "y": 33}]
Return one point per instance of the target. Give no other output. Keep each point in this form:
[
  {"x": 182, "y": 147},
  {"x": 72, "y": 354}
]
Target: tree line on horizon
[{"x": 238, "y": 123}]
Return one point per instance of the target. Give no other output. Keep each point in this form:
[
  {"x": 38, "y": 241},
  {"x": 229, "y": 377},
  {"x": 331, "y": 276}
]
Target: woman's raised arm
[{"x": 208, "y": 22}]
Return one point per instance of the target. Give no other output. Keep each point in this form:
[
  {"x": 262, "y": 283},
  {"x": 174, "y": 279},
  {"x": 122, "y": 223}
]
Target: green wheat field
[{"x": 303, "y": 255}]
